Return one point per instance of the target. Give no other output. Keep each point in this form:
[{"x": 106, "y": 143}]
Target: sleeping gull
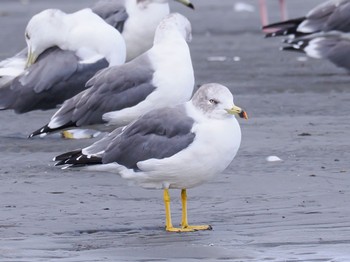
[
  {"x": 171, "y": 148},
  {"x": 333, "y": 46},
  {"x": 60, "y": 64},
  {"x": 160, "y": 77},
  {"x": 135, "y": 19},
  {"x": 328, "y": 16}
]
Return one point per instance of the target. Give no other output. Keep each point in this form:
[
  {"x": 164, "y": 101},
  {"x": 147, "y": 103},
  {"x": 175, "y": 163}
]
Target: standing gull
[
  {"x": 333, "y": 46},
  {"x": 118, "y": 95},
  {"x": 59, "y": 64},
  {"x": 171, "y": 148},
  {"x": 135, "y": 19},
  {"x": 328, "y": 16}
]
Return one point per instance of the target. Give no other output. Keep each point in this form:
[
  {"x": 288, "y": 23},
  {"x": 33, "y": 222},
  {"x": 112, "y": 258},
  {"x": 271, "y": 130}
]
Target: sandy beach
[{"x": 292, "y": 210}]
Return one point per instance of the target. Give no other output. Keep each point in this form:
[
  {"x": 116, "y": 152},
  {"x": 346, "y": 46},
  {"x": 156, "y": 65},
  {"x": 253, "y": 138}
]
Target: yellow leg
[
  {"x": 168, "y": 224},
  {"x": 184, "y": 224}
]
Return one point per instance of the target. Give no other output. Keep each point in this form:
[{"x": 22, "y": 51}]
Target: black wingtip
[
  {"x": 190, "y": 5},
  {"x": 292, "y": 49},
  {"x": 65, "y": 156},
  {"x": 44, "y": 130},
  {"x": 76, "y": 158}
]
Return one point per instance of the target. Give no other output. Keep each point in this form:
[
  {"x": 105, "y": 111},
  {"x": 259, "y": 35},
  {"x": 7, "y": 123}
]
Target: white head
[
  {"x": 173, "y": 23},
  {"x": 216, "y": 101},
  {"x": 42, "y": 31}
]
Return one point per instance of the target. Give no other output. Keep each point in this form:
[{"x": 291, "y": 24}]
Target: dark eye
[
  {"x": 213, "y": 101},
  {"x": 27, "y": 36}
]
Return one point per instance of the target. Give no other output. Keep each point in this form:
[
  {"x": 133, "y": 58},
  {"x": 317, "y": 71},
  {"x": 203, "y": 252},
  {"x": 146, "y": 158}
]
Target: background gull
[
  {"x": 136, "y": 20},
  {"x": 59, "y": 64},
  {"x": 151, "y": 151},
  {"x": 333, "y": 46},
  {"x": 160, "y": 77},
  {"x": 328, "y": 16}
]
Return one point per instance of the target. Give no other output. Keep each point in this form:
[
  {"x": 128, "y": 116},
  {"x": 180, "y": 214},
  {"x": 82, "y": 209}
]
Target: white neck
[{"x": 140, "y": 39}]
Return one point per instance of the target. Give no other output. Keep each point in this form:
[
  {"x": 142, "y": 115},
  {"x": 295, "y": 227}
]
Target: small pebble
[{"x": 273, "y": 159}]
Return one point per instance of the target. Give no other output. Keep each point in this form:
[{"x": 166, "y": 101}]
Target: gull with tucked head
[
  {"x": 136, "y": 20},
  {"x": 64, "y": 51},
  {"x": 83, "y": 32},
  {"x": 176, "y": 147}
]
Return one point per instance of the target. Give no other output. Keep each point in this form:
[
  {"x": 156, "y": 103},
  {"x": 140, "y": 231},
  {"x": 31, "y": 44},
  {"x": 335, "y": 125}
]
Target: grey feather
[
  {"x": 158, "y": 134},
  {"x": 331, "y": 15},
  {"x": 56, "y": 76},
  {"x": 336, "y": 50},
  {"x": 113, "y": 12},
  {"x": 328, "y": 16},
  {"x": 334, "y": 46},
  {"x": 99, "y": 146},
  {"x": 111, "y": 89}
]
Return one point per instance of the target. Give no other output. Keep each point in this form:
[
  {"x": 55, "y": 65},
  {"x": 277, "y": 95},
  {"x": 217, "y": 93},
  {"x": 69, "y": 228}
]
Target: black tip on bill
[
  {"x": 243, "y": 114},
  {"x": 190, "y": 5}
]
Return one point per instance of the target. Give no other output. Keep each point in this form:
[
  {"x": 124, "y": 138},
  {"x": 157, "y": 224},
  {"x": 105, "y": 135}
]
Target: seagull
[
  {"x": 333, "y": 46},
  {"x": 119, "y": 94},
  {"x": 328, "y": 16},
  {"x": 136, "y": 20},
  {"x": 176, "y": 147},
  {"x": 59, "y": 64}
]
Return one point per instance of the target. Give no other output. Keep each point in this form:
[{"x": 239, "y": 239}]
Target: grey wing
[
  {"x": 334, "y": 46},
  {"x": 336, "y": 50},
  {"x": 55, "y": 77},
  {"x": 99, "y": 146},
  {"x": 327, "y": 16},
  {"x": 158, "y": 134},
  {"x": 111, "y": 89},
  {"x": 113, "y": 12},
  {"x": 339, "y": 20}
]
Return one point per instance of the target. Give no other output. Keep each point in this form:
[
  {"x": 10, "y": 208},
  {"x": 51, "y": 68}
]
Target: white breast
[{"x": 215, "y": 145}]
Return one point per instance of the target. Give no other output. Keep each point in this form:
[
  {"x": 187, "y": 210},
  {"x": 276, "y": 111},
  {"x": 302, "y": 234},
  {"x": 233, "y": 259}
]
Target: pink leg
[
  {"x": 283, "y": 10},
  {"x": 263, "y": 12}
]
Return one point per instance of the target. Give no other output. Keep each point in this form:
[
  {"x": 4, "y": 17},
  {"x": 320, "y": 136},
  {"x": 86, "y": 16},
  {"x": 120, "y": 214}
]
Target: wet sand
[{"x": 293, "y": 210}]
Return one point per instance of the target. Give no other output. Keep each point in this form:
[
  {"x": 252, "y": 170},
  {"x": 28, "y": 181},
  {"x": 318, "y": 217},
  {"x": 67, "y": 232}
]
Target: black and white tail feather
[
  {"x": 297, "y": 45},
  {"x": 333, "y": 46},
  {"x": 77, "y": 158},
  {"x": 46, "y": 129},
  {"x": 289, "y": 27}
]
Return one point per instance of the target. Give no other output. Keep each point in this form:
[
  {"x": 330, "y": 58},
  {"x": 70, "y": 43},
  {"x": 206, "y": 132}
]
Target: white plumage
[
  {"x": 83, "y": 32},
  {"x": 180, "y": 147}
]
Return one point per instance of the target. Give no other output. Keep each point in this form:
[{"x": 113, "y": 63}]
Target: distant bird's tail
[
  {"x": 47, "y": 130},
  {"x": 296, "y": 45},
  {"x": 284, "y": 28}
]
